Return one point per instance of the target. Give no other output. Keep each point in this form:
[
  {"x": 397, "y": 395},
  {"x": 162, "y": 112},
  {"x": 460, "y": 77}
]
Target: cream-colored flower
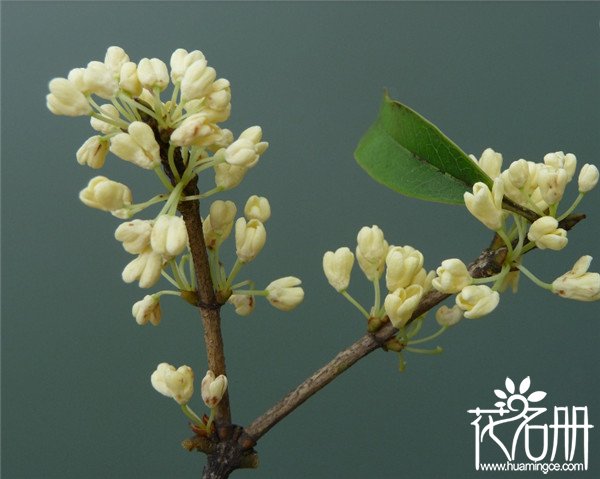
[
  {"x": 401, "y": 304},
  {"x": 229, "y": 176},
  {"x": 169, "y": 235},
  {"x": 181, "y": 61},
  {"x": 153, "y": 73},
  {"x": 135, "y": 235},
  {"x": 145, "y": 268},
  {"x": 490, "y": 162},
  {"x": 246, "y": 150},
  {"x": 338, "y": 267},
  {"x": 218, "y": 224},
  {"x": 93, "y": 152},
  {"x": 129, "y": 80},
  {"x": 371, "y": 251},
  {"x": 447, "y": 317},
  {"x": 486, "y": 205},
  {"x": 213, "y": 388},
  {"x": 558, "y": 160},
  {"x": 243, "y": 303},
  {"x": 250, "y": 237},
  {"x": 578, "y": 284},
  {"x": 147, "y": 310},
  {"x": 285, "y": 293},
  {"x": 546, "y": 234},
  {"x": 106, "y": 195},
  {"x": 192, "y": 130},
  {"x": 552, "y": 183},
  {"x": 518, "y": 173},
  {"x": 257, "y": 208},
  {"x": 452, "y": 276},
  {"x": 99, "y": 80},
  {"x": 588, "y": 178},
  {"x": 477, "y": 300},
  {"x": 174, "y": 383},
  {"x": 197, "y": 80},
  {"x": 403, "y": 263},
  {"x": 138, "y": 146},
  {"x": 114, "y": 59},
  {"x": 65, "y": 99}
]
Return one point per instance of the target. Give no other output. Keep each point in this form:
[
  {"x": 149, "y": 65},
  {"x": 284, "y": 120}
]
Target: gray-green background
[{"x": 76, "y": 396}]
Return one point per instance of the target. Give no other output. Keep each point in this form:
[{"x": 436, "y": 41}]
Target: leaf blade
[{"x": 410, "y": 155}]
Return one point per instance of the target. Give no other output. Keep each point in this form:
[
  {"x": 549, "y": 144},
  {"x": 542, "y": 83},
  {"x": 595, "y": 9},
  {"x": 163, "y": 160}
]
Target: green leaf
[{"x": 410, "y": 155}]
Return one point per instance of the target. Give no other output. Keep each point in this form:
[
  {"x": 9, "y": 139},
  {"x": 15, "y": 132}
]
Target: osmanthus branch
[
  {"x": 487, "y": 264},
  {"x": 207, "y": 301}
]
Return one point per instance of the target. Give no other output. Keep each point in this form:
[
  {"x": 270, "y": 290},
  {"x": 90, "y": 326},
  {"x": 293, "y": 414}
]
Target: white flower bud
[
  {"x": 222, "y": 214},
  {"x": 135, "y": 235},
  {"x": 213, "y": 389},
  {"x": 246, "y": 150},
  {"x": 147, "y": 310},
  {"x": 285, "y": 293},
  {"x": 447, "y": 317},
  {"x": 518, "y": 173},
  {"x": 109, "y": 111},
  {"x": 588, "y": 178},
  {"x": 486, "y": 205},
  {"x": 138, "y": 146},
  {"x": 477, "y": 300},
  {"x": 338, "y": 267},
  {"x": 491, "y": 163},
  {"x": 403, "y": 265},
  {"x": 177, "y": 384},
  {"x": 552, "y": 183},
  {"x": 197, "y": 80},
  {"x": 452, "y": 276},
  {"x": 546, "y": 234},
  {"x": 145, "y": 268},
  {"x": 169, "y": 235},
  {"x": 93, "y": 152},
  {"x": 114, "y": 60},
  {"x": 257, "y": 208},
  {"x": 220, "y": 95},
  {"x": 401, "y": 304},
  {"x": 559, "y": 160},
  {"x": 65, "y": 99},
  {"x": 181, "y": 61},
  {"x": 243, "y": 303},
  {"x": 76, "y": 77},
  {"x": 250, "y": 237},
  {"x": 153, "y": 73},
  {"x": 129, "y": 80},
  {"x": 192, "y": 129},
  {"x": 105, "y": 194},
  {"x": 371, "y": 251},
  {"x": 229, "y": 176},
  {"x": 578, "y": 284},
  {"x": 99, "y": 80}
]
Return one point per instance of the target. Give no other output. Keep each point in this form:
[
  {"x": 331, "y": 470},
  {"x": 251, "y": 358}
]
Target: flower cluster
[
  {"x": 178, "y": 138},
  {"x": 540, "y": 188},
  {"x": 405, "y": 277},
  {"x": 178, "y": 384},
  {"x": 167, "y": 119},
  {"x": 250, "y": 237}
]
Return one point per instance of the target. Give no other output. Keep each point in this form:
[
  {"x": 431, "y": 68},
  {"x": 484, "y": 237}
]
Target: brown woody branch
[
  {"x": 487, "y": 264},
  {"x": 207, "y": 301}
]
